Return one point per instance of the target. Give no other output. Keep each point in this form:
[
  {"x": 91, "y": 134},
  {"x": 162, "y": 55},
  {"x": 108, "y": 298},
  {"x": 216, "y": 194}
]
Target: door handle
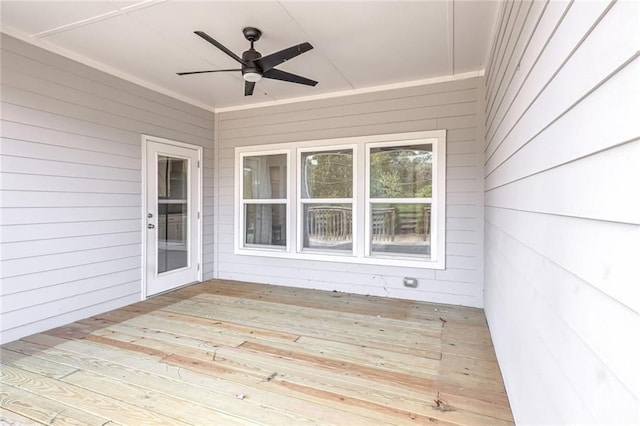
[{"x": 150, "y": 225}]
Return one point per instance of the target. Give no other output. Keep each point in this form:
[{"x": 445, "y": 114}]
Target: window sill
[{"x": 405, "y": 262}]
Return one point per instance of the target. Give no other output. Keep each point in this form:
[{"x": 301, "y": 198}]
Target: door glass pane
[
  {"x": 401, "y": 229},
  {"x": 401, "y": 171},
  {"x": 327, "y": 227},
  {"x": 327, "y": 174},
  {"x": 173, "y": 209}
]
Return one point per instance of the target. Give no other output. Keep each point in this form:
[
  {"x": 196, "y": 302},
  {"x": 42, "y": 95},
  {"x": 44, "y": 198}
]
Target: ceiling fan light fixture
[{"x": 252, "y": 77}]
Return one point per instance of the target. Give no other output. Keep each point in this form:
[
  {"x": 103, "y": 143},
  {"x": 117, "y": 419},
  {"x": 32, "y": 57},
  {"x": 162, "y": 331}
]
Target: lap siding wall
[
  {"x": 562, "y": 212},
  {"x": 71, "y": 186},
  {"x": 455, "y": 106}
]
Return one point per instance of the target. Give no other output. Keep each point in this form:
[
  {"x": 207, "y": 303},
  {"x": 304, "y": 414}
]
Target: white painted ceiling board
[
  {"x": 388, "y": 42},
  {"x": 278, "y": 34},
  {"x": 473, "y": 21},
  {"x": 357, "y": 45},
  {"x": 122, "y": 4},
  {"x": 33, "y": 17}
]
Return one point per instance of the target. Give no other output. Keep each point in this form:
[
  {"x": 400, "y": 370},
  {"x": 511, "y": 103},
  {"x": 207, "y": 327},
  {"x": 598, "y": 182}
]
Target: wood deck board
[
  {"x": 43, "y": 410},
  {"x": 406, "y": 310},
  {"x": 94, "y": 403},
  {"x": 379, "y": 335},
  {"x": 225, "y": 352},
  {"x": 268, "y": 408},
  {"x": 42, "y": 367},
  {"x": 10, "y": 418}
]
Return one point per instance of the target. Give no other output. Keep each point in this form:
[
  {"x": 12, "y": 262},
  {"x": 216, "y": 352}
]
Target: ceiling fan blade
[
  {"x": 287, "y": 76},
  {"x": 202, "y": 72},
  {"x": 248, "y": 88},
  {"x": 268, "y": 62},
  {"x": 220, "y": 46}
]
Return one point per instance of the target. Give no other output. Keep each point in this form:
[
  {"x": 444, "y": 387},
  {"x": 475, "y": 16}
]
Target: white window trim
[
  {"x": 361, "y": 221},
  {"x": 438, "y": 194},
  {"x": 239, "y": 241}
]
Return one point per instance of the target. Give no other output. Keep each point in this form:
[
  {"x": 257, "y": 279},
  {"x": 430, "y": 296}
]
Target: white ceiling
[{"x": 357, "y": 44}]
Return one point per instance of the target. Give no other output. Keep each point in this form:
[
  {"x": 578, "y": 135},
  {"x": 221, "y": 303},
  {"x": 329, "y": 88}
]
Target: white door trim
[{"x": 144, "y": 209}]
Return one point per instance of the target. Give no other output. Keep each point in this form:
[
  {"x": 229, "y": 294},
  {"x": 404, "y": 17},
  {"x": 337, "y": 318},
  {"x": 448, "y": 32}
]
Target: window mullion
[
  {"x": 265, "y": 201},
  {"x": 361, "y": 186},
  {"x": 401, "y": 200},
  {"x": 326, "y": 201}
]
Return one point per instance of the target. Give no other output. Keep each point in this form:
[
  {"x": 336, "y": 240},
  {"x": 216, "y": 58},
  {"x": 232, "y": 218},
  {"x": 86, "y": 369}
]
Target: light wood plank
[
  {"x": 267, "y": 407},
  {"x": 227, "y": 352},
  {"x": 39, "y": 409},
  {"x": 182, "y": 410},
  {"x": 73, "y": 395},
  {"x": 42, "y": 367},
  {"x": 9, "y": 418}
]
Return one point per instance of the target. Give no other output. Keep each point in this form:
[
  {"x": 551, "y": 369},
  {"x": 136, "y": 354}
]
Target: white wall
[
  {"x": 562, "y": 210},
  {"x": 455, "y": 106},
  {"x": 70, "y": 170}
]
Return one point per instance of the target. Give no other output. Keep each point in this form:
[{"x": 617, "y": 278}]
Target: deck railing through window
[
  {"x": 383, "y": 224},
  {"x": 329, "y": 223}
]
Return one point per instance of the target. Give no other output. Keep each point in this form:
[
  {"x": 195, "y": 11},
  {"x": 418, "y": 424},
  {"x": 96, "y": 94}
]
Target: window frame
[
  {"x": 300, "y": 202},
  {"x": 240, "y": 203},
  {"x": 361, "y": 201},
  {"x": 369, "y": 200}
]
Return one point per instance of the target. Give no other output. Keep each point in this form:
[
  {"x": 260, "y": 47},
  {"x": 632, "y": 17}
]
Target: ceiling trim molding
[
  {"x": 451, "y": 37},
  {"x": 414, "y": 83},
  {"x": 100, "y": 66}
]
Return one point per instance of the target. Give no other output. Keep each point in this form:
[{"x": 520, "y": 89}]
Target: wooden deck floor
[{"x": 229, "y": 353}]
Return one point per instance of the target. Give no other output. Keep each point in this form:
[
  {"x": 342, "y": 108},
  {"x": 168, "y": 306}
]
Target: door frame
[{"x": 143, "y": 218}]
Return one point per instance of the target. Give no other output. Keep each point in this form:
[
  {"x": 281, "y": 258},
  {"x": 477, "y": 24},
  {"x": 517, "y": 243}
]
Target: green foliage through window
[
  {"x": 327, "y": 174},
  {"x": 401, "y": 172}
]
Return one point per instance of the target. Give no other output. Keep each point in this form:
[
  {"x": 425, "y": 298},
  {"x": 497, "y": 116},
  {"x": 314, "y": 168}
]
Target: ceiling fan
[{"x": 255, "y": 66}]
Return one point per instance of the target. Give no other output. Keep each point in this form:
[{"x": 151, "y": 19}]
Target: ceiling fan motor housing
[{"x": 249, "y": 57}]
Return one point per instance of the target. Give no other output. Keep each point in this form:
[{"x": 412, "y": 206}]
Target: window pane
[
  {"x": 264, "y": 177},
  {"x": 173, "y": 249},
  {"x": 265, "y": 224},
  {"x": 327, "y": 174},
  {"x": 401, "y": 228},
  {"x": 327, "y": 226},
  {"x": 401, "y": 171}
]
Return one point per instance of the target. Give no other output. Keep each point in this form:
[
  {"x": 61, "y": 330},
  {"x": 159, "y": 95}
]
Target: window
[
  {"x": 264, "y": 200},
  {"x": 326, "y": 200},
  {"x": 399, "y": 198},
  {"x": 377, "y": 199}
]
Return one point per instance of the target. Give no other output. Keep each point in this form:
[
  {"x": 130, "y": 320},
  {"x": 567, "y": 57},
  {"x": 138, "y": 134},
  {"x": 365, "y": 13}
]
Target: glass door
[{"x": 173, "y": 205}]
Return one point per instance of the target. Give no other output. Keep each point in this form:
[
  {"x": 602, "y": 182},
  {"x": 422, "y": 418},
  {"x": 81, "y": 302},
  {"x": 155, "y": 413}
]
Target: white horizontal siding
[
  {"x": 562, "y": 215},
  {"x": 61, "y": 276},
  {"x": 454, "y": 106},
  {"x": 70, "y": 181},
  {"x": 43, "y": 247},
  {"x": 26, "y": 149},
  {"x": 51, "y": 231}
]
